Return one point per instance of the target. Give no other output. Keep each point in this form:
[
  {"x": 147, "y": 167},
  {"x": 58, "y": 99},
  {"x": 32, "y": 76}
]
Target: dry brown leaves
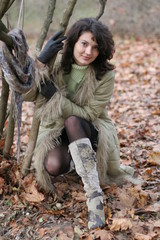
[{"x": 132, "y": 212}]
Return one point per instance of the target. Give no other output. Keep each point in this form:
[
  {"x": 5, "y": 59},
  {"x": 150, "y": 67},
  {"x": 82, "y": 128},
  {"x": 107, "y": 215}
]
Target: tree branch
[
  {"x": 3, "y": 27},
  {"x": 101, "y": 11},
  {"x": 4, "y": 37},
  {"x": 66, "y": 15},
  {"x": 46, "y": 24},
  {"x": 3, "y": 103},
  {"x": 64, "y": 23},
  {"x": 10, "y": 132},
  {"x": 5, "y": 5}
]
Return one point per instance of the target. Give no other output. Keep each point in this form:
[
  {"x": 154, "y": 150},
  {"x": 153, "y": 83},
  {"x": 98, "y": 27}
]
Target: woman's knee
[
  {"x": 51, "y": 163},
  {"x": 71, "y": 122}
]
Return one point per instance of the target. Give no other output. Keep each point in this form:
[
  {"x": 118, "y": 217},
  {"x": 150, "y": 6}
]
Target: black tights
[{"x": 58, "y": 160}]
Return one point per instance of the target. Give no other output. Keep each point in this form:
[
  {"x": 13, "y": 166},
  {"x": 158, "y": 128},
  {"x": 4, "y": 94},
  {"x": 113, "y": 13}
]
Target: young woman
[{"x": 75, "y": 127}]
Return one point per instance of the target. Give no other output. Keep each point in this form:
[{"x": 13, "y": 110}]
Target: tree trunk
[
  {"x": 45, "y": 27},
  {"x": 32, "y": 141},
  {"x": 35, "y": 122},
  {"x": 3, "y": 103},
  {"x": 9, "y": 132}
]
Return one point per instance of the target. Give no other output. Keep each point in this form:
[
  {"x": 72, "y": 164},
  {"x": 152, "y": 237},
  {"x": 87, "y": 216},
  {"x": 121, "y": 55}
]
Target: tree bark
[
  {"x": 45, "y": 27},
  {"x": 3, "y": 104},
  {"x": 67, "y": 14},
  {"x": 3, "y": 27},
  {"x": 9, "y": 132},
  {"x": 4, "y": 37},
  {"x": 5, "y": 5},
  {"x": 32, "y": 140},
  {"x": 101, "y": 11},
  {"x": 64, "y": 23}
]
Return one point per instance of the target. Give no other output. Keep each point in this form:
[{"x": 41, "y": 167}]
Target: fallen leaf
[
  {"x": 2, "y": 142},
  {"x": 79, "y": 196},
  {"x": 157, "y": 224},
  {"x": 109, "y": 214},
  {"x": 154, "y": 158},
  {"x": 120, "y": 224},
  {"x": 32, "y": 194},
  {"x": 63, "y": 236},
  {"x": 4, "y": 165},
  {"x": 153, "y": 208},
  {"x": 140, "y": 236},
  {"x": 1, "y": 185},
  {"x": 42, "y": 231},
  {"x": 103, "y": 235}
]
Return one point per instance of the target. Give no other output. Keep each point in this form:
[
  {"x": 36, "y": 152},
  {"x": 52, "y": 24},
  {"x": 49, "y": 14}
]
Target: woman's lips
[{"x": 86, "y": 58}]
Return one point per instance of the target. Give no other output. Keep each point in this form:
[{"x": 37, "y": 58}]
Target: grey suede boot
[{"x": 85, "y": 164}]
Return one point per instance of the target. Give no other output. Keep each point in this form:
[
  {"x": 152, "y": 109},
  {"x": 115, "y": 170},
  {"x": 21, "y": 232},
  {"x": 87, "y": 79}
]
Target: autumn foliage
[{"x": 132, "y": 211}]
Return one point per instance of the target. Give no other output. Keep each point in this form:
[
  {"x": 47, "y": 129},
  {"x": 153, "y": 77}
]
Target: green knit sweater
[{"x": 74, "y": 78}]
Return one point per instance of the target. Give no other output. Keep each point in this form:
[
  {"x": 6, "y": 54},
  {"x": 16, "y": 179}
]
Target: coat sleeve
[{"x": 95, "y": 105}]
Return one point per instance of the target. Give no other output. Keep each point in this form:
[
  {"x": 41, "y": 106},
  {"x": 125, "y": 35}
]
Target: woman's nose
[{"x": 88, "y": 50}]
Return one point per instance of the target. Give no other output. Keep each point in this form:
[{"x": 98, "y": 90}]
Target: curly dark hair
[{"x": 104, "y": 39}]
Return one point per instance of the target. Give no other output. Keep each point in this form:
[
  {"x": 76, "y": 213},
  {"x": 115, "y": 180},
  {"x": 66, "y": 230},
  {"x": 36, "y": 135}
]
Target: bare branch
[
  {"x": 3, "y": 103},
  {"x": 64, "y": 23},
  {"x": 45, "y": 27},
  {"x": 101, "y": 11},
  {"x": 3, "y": 27},
  {"x": 66, "y": 15},
  {"x": 10, "y": 4},
  {"x": 5, "y": 5},
  {"x": 10, "y": 133},
  {"x": 4, "y": 37}
]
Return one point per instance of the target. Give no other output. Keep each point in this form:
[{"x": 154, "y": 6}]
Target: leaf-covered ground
[{"x": 132, "y": 211}]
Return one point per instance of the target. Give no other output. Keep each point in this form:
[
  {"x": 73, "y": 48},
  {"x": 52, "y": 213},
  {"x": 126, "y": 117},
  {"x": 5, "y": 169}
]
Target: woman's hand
[
  {"x": 48, "y": 89},
  {"x": 53, "y": 45}
]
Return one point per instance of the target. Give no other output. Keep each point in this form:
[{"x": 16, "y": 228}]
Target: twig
[{"x": 101, "y": 11}]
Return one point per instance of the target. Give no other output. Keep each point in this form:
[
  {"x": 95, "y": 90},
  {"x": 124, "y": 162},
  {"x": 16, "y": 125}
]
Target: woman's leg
[
  {"x": 58, "y": 160},
  {"x": 82, "y": 137},
  {"x": 77, "y": 128}
]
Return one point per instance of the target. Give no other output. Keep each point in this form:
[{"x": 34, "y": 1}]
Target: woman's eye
[
  {"x": 83, "y": 43},
  {"x": 96, "y": 47}
]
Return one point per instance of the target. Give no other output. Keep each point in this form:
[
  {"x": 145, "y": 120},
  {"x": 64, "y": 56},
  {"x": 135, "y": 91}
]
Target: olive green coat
[{"x": 89, "y": 102}]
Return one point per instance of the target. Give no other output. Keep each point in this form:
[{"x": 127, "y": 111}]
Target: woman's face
[{"x": 85, "y": 49}]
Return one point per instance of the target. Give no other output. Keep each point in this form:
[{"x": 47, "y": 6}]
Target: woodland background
[{"x": 132, "y": 211}]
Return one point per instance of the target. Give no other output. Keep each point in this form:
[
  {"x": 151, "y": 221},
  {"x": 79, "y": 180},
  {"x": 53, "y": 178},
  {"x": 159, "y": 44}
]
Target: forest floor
[{"x": 132, "y": 211}]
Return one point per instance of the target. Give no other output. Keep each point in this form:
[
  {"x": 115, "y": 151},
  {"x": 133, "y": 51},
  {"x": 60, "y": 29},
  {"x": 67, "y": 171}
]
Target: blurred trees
[{"x": 133, "y": 18}]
